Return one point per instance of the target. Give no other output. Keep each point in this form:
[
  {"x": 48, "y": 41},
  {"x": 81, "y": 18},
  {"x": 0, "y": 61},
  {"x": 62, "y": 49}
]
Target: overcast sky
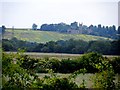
[{"x": 22, "y": 14}]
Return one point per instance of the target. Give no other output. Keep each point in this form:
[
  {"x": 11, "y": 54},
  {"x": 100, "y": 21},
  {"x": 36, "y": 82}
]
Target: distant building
[
  {"x": 71, "y": 31},
  {"x": 89, "y": 31},
  {"x": 79, "y": 30}
]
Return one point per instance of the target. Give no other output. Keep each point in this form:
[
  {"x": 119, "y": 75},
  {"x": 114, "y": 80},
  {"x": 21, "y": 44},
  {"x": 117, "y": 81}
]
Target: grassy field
[
  {"x": 45, "y": 36},
  {"x": 88, "y": 77},
  {"x": 78, "y": 80},
  {"x": 58, "y": 55}
]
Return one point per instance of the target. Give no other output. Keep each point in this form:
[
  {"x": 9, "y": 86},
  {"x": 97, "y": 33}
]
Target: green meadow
[{"x": 46, "y": 36}]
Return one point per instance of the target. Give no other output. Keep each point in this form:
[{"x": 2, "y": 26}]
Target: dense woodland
[
  {"x": 68, "y": 46},
  {"x": 77, "y": 28}
]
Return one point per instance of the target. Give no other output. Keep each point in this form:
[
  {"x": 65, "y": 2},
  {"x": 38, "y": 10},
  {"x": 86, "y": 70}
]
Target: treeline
[
  {"x": 75, "y": 28},
  {"x": 87, "y": 61},
  {"x": 69, "y": 46},
  {"x": 20, "y": 72}
]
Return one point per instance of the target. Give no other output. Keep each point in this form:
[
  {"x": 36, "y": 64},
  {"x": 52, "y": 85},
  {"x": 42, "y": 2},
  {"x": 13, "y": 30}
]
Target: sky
[{"x": 23, "y": 13}]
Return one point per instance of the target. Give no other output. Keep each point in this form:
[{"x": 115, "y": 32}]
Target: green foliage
[
  {"x": 100, "y": 47},
  {"x": 14, "y": 45},
  {"x": 68, "y": 65},
  {"x": 68, "y": 46},
  {"x": 34, "y": 26},
  {"x": 105, "y": 78},
  {"x": 54, "y": 82},
  {"x": 116, "y": 64},
  {"x": 13, "y": 75},
  {"x": 7, "y": 45},
  {"x": 54, "y": 64},
  {"x": 59, "y": 84},
  {"x": 3, "y": 29},
  {"x": 115, "y": 48},
  {"x": 19, "y": 72},
  {"x": 89, "y": 60},
  {"x": 27, "y": 62}
]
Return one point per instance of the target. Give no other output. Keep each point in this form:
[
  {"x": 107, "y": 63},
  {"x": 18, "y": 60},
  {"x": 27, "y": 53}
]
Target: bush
[
  {"x": 56, "y": 83},
  {"x": 14, "y": 75},
  {"x": 18, "y": 72},
  {"x": 68, "y": 66},
  {"x": 116, "y": 64},
  {"x": 54, "y": 64},
  {"x": 105, "y": 79},
  {"x": 89, "y": 60}
]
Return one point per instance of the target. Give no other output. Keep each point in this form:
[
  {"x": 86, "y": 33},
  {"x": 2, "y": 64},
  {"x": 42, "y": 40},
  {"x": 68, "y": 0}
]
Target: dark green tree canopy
[
  {"x": 75, "y": 28},
  {"x": 34, "y": 26},
  {"x": 3, "y": 29}
]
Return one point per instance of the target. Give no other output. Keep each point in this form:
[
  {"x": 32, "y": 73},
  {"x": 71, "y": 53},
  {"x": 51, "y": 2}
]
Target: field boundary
[{"x": 58, "y": 54}]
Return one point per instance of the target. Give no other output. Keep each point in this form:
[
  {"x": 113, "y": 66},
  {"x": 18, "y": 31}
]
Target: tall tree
[
  {"x": 118, "y": 32},
  {"x": 34, "y": 26},
  {"x": 3, "y": 29},
  {"x": 74, "y": 25}
]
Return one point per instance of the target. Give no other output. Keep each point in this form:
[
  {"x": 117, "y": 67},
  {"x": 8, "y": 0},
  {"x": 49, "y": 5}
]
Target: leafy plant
[
  {"x": 105, "y": 79},
  {"x": 13, "y": 75}
]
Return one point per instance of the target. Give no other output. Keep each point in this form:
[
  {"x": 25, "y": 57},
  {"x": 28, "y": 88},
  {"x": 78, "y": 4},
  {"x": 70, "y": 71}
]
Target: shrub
[
  {"x": 89, "y": 60},
  {"x": 14, "y": 75},
  {"x": 54, "y": 64},
  {"x": 56, "y": 83},
  {"x": 105, "y": 79},
  {"x": 68, "y": 66},
  {"x": 116, "y": 64}
]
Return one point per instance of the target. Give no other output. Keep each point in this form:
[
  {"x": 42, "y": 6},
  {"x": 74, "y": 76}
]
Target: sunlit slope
[{"x": 45, "y": 36}]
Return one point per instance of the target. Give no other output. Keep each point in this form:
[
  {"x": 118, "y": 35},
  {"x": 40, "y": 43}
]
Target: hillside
[
  {"x": 45, "y": 36},
  {"x": 80, "y": 28}
]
